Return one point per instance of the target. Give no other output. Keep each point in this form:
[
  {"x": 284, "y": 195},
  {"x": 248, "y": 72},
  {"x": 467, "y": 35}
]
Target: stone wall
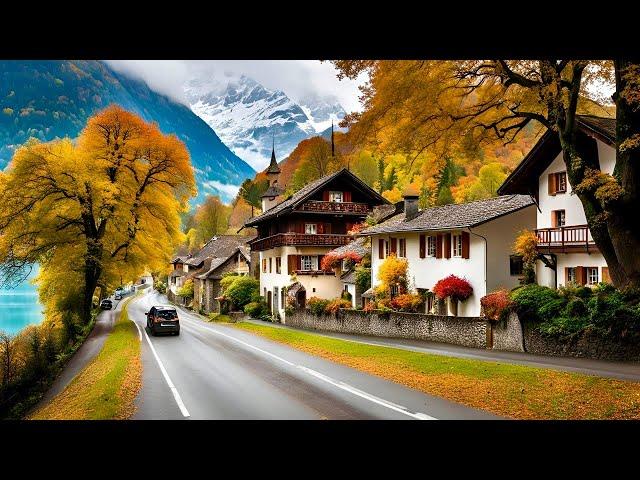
[
  {"x": 508, "y": 335},
  {"x": 467, "y": 331}
]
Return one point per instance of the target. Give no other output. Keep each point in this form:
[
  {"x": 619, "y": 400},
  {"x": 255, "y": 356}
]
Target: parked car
[
  {"x": 163, "y": 318},
  {"x": 106, "y": 304},
  {"x": 118, "y": 296}
]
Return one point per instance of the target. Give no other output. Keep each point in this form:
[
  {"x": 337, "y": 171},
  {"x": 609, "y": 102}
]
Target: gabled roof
[
  {"x": 453, "y": 216},
  {"x": 524, "y": 178},
  {"x": 218, "y": 246},
  {"x": 356, "y": 246},
  {"x": 305, "y": 192},
  {"x": 180, "y": 259},
  {"x": 218, "y": 262}
]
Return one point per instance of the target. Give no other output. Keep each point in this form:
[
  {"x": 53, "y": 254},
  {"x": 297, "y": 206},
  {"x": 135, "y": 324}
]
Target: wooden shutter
[
  {"x": 320, "y": 228},
  {"x": 292, "y": 263},
  {"x": 394, "y": 246},
  {"x": 346, "y": 196},
  {"x": 325, "y": 195},
  {"x": 552, "y": 184},
  {"x": 439, "y": 245},
  {"x": 605, "y": 275},
  {"x": 447, "y": 245},
  {"x": 465, "y": 244},
  {"x": 320, "y": 257},
  {"x": 380, "y": 248},
  {"x": 423, "y": 246},
  {"x": 327, "y": 227},
  {"x": 581, "y": 275},
  {"x": 554, "y": 219}
]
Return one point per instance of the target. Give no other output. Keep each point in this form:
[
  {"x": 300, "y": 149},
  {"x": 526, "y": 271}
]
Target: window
[
  {"x": 278, "y": 264},
  {"x": 571, "y": 274},
  {"x": 457, "y": 245},
  {"x": 431, "y": 246},
  {"x": 311, "y": 228},
  {"x": 592, "y": 275},
  {"x": 346, "y": 288},
  {"x": 402, "y": 247},
  {"x": 270, "y": 265},
  {"x": 558, "y": 218},
  {"x": 336, "y": 197},
  {"x": 561, "y": 182},
  {"x": 264, "y": 265},
  {"x": 308, "y": 262},
  {"x": 516, "y": 265}
]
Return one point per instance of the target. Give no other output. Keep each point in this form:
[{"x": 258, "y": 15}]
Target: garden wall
[{"x": 467, "y": 331}]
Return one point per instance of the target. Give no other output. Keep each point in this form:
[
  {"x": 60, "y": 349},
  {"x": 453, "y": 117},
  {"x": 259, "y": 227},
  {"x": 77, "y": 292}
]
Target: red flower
[
  {"x": 496, "y": 304},
  {"x": 455, "y": 287}
]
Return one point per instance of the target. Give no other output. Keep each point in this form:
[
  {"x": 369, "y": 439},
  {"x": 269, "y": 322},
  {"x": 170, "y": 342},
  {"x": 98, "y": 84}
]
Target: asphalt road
[{"x": 216, "y": 372}]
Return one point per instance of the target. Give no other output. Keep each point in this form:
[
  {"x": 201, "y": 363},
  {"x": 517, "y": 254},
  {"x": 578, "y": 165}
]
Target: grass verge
[
  {"x": 508, "y": 390},
  {"x": 107, "y": 387},
  {"x": 219, "y": 318}
]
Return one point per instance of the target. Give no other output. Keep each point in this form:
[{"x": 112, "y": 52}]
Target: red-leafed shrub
[
  {"x": 357, "y": 228},
  {"x": 456, "y": 288},
  {"x": 407, "y": 302},
  {"x": 334, "y": 305},
  {"x": 496, "y": 305},
  {"x": 330, "y": 261},
  {"x": 369, "y": 307}
]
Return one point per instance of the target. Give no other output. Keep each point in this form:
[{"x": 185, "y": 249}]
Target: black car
[
  {"x": 106, "y": 304},
  {"x": 163, "y": 318}
]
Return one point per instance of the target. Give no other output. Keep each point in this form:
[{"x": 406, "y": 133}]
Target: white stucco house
[
  {"x": 472, "y": 240},
  {"x": 564, "y": 239}
]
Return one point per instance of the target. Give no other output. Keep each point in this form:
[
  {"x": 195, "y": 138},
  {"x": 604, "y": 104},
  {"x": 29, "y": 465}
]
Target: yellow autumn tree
[
  {"x": 392, "y": 272},
  {"x": 93, "y": 210}
]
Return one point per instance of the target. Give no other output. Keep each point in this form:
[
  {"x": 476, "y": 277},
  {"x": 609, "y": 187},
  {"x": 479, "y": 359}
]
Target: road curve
[{"x": 217, "y": 372}]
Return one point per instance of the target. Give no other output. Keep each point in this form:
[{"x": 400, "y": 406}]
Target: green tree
[{"x": 251, "y": 192}]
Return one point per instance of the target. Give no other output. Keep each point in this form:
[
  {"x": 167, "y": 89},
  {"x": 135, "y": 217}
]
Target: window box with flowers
[{"x": 454, "y": 288}]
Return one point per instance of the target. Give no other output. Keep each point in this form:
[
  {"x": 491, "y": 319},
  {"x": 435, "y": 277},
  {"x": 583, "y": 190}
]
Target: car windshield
[{"x": 168, "y": 314}]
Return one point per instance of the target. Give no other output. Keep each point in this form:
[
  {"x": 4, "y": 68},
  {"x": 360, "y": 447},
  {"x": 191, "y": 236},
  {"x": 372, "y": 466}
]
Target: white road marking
[
  {"x": 325, "y": 378},
  {"x": 174, "y": 390},
  {"x": 138, "y": 327}
]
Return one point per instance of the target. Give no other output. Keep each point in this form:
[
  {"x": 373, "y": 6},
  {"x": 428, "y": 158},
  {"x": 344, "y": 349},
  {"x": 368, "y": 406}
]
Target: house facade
[
  {"x": 564, "y": 240},
  {"x": 295, "y": 233},
  {"x": 176, "y": 279},
  {"x": 472, "y": 240}
]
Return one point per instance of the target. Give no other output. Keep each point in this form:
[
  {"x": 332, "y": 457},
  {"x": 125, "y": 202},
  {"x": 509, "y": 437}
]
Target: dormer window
[{"x": 335, "y": 196}]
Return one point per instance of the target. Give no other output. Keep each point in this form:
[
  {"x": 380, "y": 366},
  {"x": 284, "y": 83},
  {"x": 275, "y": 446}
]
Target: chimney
[{"x": 410, "y": 196}]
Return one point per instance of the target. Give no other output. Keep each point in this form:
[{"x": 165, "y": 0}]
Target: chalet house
[
  {"x": 295, "y": 232},
  {"x": 470, "y": 240},
  {"x": 221, "y": 254},
  {"x": 564, "y": 239},
  {"x": 360, "y": 247}
]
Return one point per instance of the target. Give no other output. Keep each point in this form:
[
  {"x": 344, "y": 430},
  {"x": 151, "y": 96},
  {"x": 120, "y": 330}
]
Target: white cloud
[
  {"x": 227, "y": 189},
  {"x": 296, "y": 78}
]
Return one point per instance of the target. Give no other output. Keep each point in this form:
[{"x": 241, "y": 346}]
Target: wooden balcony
[
  {"x": 316, "y": 272},
  {"x": 300, "y": 240},
  {"x": 567, "y": 239},
  {"x": 318, "y": 206}
]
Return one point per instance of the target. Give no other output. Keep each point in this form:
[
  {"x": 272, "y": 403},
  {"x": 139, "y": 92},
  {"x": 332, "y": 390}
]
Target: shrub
[
  {"x": 346, "y": 295},
  {"x": 363, "y": 278},
  {"x": 160, "y": 286},
  {"x": 241, "y": 290},
  {"x": 576, "y": 308},
  {"x": 186, "y": 291},
  {"x": 369, "y": 307},
  {"x": 393, "y": 271},
  {"x": 456, "y": 288},
  {"x": 528, "y": 300},
  {"x": 496, "y": 305},
  {"x": 334, "y": 305},
  {"x": 227, "y": 279},
  {"x": 407, "y": 302},
  {"x": 317, "y": 305},
  {"x": 255, "y": 309}
]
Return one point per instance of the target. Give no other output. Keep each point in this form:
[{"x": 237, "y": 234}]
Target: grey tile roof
[
  {"x": 215, "y": 264},
  {"x": 452, "y": 216},
  {"x": 177, "y": 273},
  {"x": 349, "y": 276},
  {"x": 219, "y": 246},
  {"x": 605, "y": 126},
  {"x": 357, "y": 246},
  {"x": 305, "y": 192}
]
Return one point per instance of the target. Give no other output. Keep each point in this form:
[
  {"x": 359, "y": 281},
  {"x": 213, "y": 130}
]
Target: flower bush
[
  {"x": 407, "y": 302},
  {"x": 332, "y": 260},
  {"x": 496, "y": 305},
  {"x": 317, "y": 305},
  {"x": 334, "y": 305},
  {"x": 456, "y": 288},
  {"x": 369, "y": 307},
  {"x": 392, "y": 271}
]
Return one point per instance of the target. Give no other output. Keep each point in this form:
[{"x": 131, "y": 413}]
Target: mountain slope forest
[{"x": 49, "y": 99}]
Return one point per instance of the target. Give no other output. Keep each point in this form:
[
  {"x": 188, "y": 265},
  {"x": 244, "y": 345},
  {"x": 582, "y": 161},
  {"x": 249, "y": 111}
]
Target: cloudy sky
[{"x": 294, "y": 77}]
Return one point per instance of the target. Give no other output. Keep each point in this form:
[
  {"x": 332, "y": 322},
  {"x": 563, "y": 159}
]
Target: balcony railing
[
  {"x": 316, "y": 272},
  {"x": 300, "y": 239},
  {"x": 568, "y": 238},
  {"x": 334, "y": 207}
]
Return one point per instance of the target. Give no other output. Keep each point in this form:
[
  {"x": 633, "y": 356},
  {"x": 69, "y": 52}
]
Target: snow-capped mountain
[{"x": 248, "y": 116}]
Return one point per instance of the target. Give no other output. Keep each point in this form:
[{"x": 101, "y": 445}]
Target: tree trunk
[
  {"x": 92, "y": 273},
  {"x": 623, "y": 227}
]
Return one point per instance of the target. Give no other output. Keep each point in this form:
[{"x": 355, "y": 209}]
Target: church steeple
[
  {"x": 273, "y": 166},
  {"x": 269, "y": 198}
]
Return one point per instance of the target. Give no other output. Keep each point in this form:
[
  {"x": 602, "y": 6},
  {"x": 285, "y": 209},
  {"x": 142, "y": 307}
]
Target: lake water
[{"x": 20, "y": 307}]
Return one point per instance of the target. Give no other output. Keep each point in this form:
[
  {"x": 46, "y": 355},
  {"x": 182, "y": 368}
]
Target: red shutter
[
  {"x": 552, "y": 184},
  {"x": 327, "y": 228},
  {"x": 423, "y": 246},
  {"x": 439, "y": 245},
  {"x": 325, "y": 195},
  {"x": 300, "y": 226},
  {"x": 380, "y": 248},
  {"x": 447, "y": 245},
  {"x": 394, "y": 246},
  {"x": 320, "y": 262},
  {"x": 320, "y": 228},
  {"x": 465, "y": 244},
  {"x": 347, "y": 196}
]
